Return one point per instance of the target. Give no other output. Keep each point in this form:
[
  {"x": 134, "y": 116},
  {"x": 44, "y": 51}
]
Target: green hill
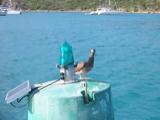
[{"x": 128, "y": 5}]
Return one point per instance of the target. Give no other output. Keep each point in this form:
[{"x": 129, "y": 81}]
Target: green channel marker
[{"x": 66, "y": 102}]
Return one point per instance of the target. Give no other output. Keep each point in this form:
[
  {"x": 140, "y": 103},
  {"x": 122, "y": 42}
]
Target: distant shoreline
[
  {"x": 85, "y": 11},
  {"x": 144, "y": 11},
  {"x": 56, "y": 11}
]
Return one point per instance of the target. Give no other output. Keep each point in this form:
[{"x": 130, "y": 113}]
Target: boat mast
[
  {"x": 115, "y": 4},
  {"x": 10, "y": 3},
  {"x": 109, "y": 3}
]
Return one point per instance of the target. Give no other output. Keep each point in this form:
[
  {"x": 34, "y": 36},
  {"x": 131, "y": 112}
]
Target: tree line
[{"x": 128, "y": 5}]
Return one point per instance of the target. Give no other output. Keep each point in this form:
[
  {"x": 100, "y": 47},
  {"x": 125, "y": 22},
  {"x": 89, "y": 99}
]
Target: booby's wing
[{"x": 80, "y": 66}]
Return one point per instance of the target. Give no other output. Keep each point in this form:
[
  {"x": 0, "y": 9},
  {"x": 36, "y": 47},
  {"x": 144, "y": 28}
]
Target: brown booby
[{"x": 84, "y": 67}]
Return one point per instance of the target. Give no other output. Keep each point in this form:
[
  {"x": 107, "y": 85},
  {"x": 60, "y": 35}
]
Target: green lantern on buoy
[
  {"x": 66, "y": 64},
  {"x": 66, "y": 55}
]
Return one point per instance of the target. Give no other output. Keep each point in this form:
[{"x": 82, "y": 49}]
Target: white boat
[
  {"x": 11, "y": 9},
  {"x": 14, "y": 12},
  {"x": 3, "y": 12},
  {"x": 106, "y": 11}
]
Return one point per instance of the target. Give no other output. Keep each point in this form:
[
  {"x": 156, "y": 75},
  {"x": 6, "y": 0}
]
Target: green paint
[{"x": 65, "y": 102}]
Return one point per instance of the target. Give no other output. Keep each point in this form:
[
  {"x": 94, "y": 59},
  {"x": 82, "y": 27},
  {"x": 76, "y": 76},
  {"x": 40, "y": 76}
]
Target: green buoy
[{"x": 67, "y": 101}]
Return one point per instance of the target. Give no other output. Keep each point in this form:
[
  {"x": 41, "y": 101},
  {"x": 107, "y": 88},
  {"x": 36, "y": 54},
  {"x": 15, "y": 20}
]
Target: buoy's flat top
[{"x": 73, "y": 89}]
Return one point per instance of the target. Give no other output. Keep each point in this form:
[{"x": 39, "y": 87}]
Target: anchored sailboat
[
  {"x": 12, "y": 9},
  {"x": 106, "y": 10}
]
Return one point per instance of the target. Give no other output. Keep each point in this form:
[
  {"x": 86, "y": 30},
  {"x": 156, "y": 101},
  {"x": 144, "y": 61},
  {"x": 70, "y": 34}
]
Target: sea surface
[{"x": 127, "y": 56}]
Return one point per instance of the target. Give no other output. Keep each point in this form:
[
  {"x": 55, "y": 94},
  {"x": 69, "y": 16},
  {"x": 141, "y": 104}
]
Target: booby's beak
[{"x": 92, "y": 51}]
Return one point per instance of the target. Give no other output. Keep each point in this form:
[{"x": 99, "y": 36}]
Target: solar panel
[{"x": 17, "y": 92}]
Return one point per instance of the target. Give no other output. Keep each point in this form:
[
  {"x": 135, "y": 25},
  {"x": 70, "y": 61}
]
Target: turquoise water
[{"x": 127, "y": 56}]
